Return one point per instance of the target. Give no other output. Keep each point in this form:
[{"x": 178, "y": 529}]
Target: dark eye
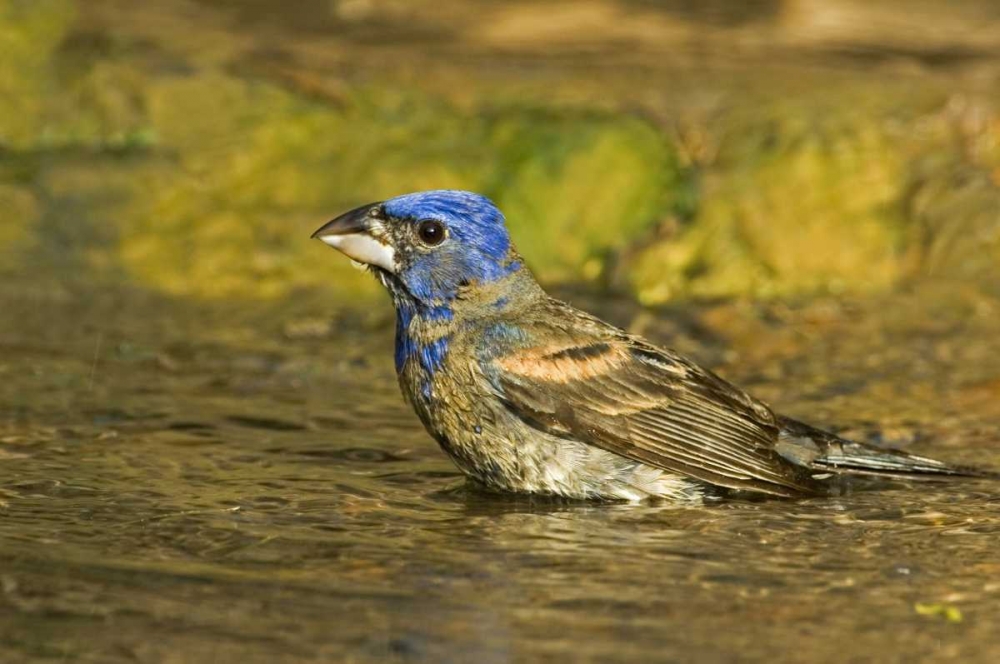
[{"x": 431, "y": 232}]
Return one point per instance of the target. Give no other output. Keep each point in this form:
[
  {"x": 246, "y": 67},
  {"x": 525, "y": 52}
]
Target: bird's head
[{"x": 428, "y": 246}]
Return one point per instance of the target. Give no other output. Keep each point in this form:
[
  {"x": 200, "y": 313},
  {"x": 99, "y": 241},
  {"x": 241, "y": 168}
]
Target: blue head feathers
[{"x": 476, "y": 247}]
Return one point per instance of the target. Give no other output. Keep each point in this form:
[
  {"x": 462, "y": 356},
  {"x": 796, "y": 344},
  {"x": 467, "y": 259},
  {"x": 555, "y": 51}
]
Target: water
[
  {"x": 167, "y": 496},
  {"x": 203, "y": 452}
]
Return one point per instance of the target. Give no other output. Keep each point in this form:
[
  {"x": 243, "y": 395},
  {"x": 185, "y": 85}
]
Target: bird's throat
[{"x": 423, "y": 337}]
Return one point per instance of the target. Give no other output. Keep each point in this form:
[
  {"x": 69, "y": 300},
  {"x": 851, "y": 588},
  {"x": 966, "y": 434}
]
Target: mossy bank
[{"x": 201, "y": 176}]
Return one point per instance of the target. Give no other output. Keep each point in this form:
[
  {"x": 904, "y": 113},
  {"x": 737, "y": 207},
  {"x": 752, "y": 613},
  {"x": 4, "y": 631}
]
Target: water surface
[{"x": 170, "y": 496}]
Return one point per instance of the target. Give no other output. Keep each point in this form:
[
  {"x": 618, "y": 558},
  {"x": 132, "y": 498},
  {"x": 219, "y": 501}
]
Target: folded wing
[{"x": 602, "y": 387}]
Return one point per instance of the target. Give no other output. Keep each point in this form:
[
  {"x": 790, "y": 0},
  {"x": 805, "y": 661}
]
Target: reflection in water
[{"x": 186, "y": 477}]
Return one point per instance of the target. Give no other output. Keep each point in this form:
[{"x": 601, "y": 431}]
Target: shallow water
[
  {"x": 263, "y": 494},
  {"x": 203, "y": 452}
]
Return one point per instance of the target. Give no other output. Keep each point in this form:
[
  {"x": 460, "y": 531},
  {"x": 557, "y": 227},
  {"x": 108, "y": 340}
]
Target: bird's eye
[{"x": 431, "y": 232}]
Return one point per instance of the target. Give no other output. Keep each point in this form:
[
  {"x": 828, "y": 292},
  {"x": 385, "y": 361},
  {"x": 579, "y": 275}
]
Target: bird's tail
[{"x": 826, "y": 452}]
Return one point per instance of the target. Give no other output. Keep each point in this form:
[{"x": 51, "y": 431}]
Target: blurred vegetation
[
  {"x": 29, "y": 33},
  {"x": 204, "y": 180}
]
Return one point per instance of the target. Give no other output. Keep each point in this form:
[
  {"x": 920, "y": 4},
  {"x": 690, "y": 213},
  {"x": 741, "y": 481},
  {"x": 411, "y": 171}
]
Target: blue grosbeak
[{"x": 527, "y": 394}]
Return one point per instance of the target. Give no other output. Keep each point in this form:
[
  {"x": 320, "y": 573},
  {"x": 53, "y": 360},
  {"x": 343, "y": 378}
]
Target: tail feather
[
  {"x": 826, "y": 452},
  {"x": 860, "y": 459}
]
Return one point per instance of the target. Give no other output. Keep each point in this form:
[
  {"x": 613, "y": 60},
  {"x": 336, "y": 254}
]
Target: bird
[{"x": 529, "y": 395}]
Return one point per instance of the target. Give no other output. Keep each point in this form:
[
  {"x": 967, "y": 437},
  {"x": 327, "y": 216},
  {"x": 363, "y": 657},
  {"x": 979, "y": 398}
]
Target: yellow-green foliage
[
  {"x": 103, "y": 107},
  {"x": 578, "y": 188},
  {"x": 29, "y": 34},
  {"x": 195, "y": 181},
  {"x": 956, "y": 207},
  {"x": 814, "y": 211},
  {"x": 260, "y": 168}
]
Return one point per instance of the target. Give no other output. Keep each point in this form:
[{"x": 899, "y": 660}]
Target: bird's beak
[{"x": 359, "y": 235}]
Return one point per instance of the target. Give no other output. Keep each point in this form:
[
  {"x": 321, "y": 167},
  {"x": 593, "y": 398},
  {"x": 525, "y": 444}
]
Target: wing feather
[{"x": 596, "y": 384}]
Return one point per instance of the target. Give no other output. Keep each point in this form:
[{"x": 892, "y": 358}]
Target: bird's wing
[{"x": 593, "y": 383}]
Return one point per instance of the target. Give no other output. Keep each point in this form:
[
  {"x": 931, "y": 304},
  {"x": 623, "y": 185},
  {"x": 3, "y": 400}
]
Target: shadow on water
[{"x": 203, "y": 452}]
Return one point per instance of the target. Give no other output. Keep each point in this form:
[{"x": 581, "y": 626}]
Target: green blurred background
[{"x": 663, "y": 151}]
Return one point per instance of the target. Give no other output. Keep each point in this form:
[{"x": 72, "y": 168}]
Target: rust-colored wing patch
[{"x": 565, "y": 364}]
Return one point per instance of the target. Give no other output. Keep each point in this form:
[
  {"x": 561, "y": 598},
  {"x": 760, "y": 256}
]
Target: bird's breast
[{"x": 462, "y": 411}]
